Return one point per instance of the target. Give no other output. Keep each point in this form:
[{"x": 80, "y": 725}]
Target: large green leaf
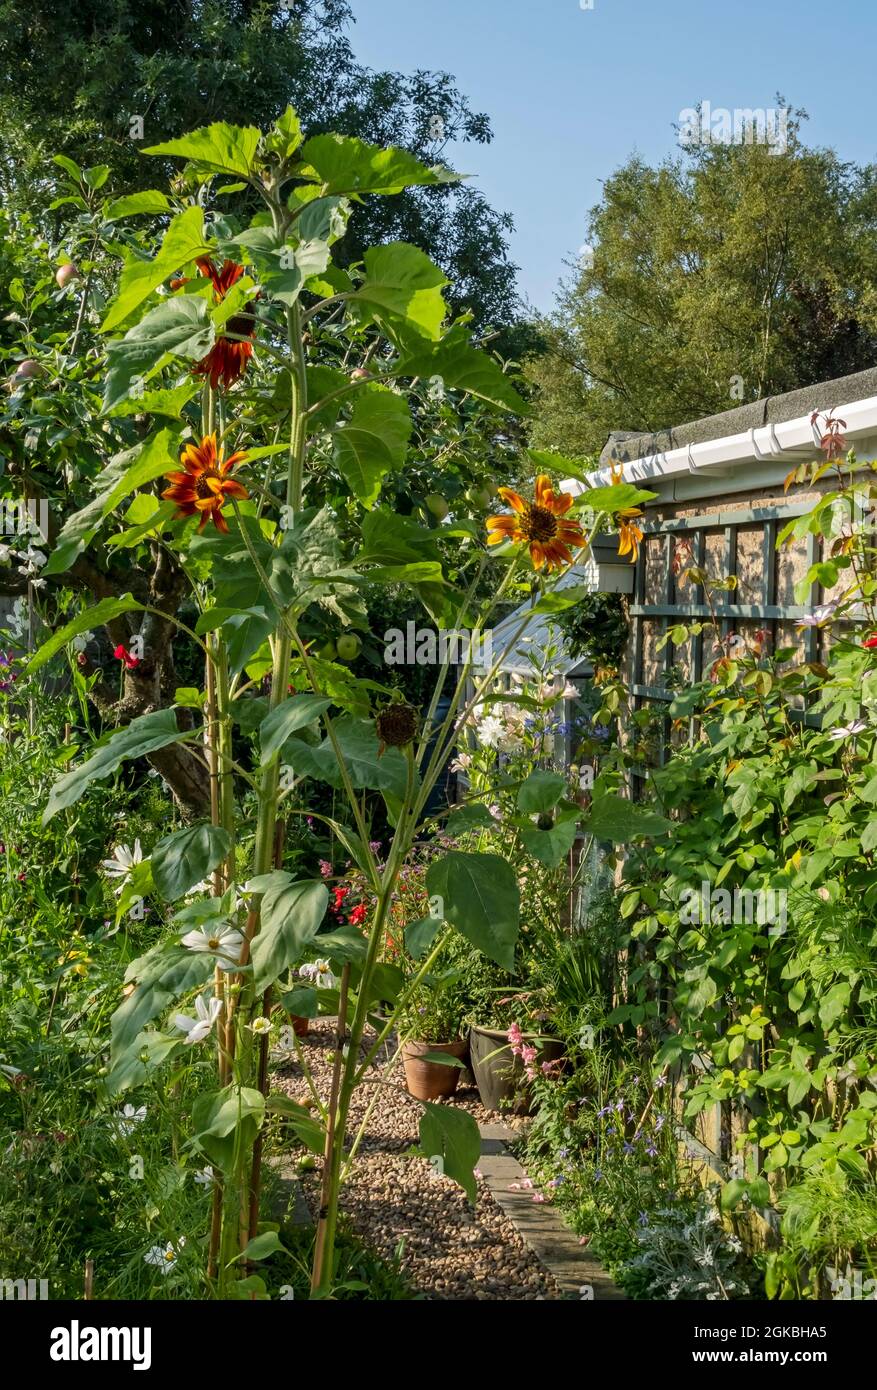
[
  {"x": 374, "y": 441},
  {"x": 345, "y": 164},
  {"x": 462, "y": 367},
  {"x": 103, "y": 612},
  {"x": 404, "y": 284},
  {"x": 290, "y": 917},
  {"x": 294, "y": 713},
  {"x": 125, "y": 474},
  {"x": 554, "y": 844},
  {"x": 541, "y": 791},
  {"x": 452, "y": 1136},
  {"x": 149, "y": 200},
  {"x": 161, "y": 976},
  {"x": 215, "y": 149},
  {"x": 143, "y": 735},
  {"x": 224, "y": 1120},
  {"x": 181, "y": 860},
  {"x": 180, "y": 327},
  {"x": 616, "y": 819},
  {"x": 367, "y": 766},
  {"x": 184, "y": 240},
  {"x": 480, "y": 897}
]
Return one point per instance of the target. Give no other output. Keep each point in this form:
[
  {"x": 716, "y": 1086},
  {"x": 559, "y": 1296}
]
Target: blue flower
[
  {"x": 598, "y": 1176},
  {"x": 628, "y": 1148},
  {"x": 643, "y": 1219}
]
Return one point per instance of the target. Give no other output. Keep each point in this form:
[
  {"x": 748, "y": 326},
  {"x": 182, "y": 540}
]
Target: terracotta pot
[
  {"x": 300, "y": 1025},
  {"x": 431, "y": 1080},
  {"x": 499, "y": 1076}
]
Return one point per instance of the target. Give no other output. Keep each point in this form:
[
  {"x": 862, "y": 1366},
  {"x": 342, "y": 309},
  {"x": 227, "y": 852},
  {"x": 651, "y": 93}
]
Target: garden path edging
[{"x": 538, "y": 1224}]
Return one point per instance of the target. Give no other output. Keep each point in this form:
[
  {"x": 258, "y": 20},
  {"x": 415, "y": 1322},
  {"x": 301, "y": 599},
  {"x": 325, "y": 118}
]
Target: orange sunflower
[
  {"x": 629, "y": 534},
  {"x": 227, "y": 359},
  {"x": 549, "y": 538},
  {"x": 205, "y": 486}
]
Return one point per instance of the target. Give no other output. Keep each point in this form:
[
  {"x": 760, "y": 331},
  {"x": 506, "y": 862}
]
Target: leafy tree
[
  {"x": 75, "y": 77},
  {"x": 722, "y": 276}
]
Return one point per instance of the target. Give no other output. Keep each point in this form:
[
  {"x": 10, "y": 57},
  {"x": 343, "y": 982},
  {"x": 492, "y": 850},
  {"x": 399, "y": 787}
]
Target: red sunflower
[
  {"x": 205, "y": 486},
  {"x": 541, "y": 523},
  {"x": 227, "y": 359}
]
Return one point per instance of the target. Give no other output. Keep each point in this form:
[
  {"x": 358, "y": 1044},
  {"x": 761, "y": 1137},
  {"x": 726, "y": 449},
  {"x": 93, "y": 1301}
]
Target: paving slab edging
[{"x": 538, "y": 1224}]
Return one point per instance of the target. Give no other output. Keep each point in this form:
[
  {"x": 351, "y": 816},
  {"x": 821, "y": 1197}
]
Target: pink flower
[
  {"x": 514, "y": 1035},
  {"x": 477, "y": 1173},
  {"x": 527, "y": 1183},
  {"x": 514, "y": 1187},
  {"x": 548, "y": 1068},
  {"x": 538, "y": 1196},
  {"x": 528, "y": 1054},
  {"x": 325, "y": 868}
]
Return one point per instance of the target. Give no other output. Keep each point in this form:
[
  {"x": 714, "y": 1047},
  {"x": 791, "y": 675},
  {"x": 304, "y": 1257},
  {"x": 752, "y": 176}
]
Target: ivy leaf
[
  {"x": 374, "y": 441},
  {"x": 480, "y": 897}
]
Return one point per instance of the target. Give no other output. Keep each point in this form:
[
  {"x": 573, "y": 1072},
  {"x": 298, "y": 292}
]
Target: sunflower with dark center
[
  {"x": 540, "y": 524},
  {"x": 396, "y": 725},
  {"x": 205, "y": 486},
  {"x": 227, "y": 359}
]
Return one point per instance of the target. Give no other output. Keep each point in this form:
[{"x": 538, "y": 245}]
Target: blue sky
[{"x": 572, "y": 93}]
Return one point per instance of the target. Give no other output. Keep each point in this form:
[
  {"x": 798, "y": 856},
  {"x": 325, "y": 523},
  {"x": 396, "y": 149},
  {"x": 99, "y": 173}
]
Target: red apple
[
  {"x": 65, "y": 274},
  {"x": 360, "y": 374},
  {"x": 26, "y": 371}
]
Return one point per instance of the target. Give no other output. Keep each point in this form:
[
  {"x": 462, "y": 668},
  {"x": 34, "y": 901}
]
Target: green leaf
[
  {"x": 261, "y": 1246},
  {"x": 304, "y": 1124},
  {"x": 374, "y": 441},
  {"x": 615, "y": 819},
  {"x": 149, "y": 200},
  {"x": 419, "y": 936},
  {"x": 184, "y": 241},
  {"x": 554, "y": 844},
  {"x": 224, "y": 1120},
  {"x": 462, "y": 367},
  {"x": 143, "y": 735},
  {"x": 303, "y": 1001},
  {"x": 406, "y": 285},
  {"x": 181, "y": 860},
  {"x": 475, "y": 816},
  {"x": 560, "y": 599},
  {"x": 452, "y": 1135},
  {"x": 732, "y": 1193},
  {"x": 103, "y": 612},
  {"x": 130, "y": 471},
  {"x": 480, "y": 897},
  {"x": 368, "y": 768},
  {"x": 540, "y": 792},
  {"x": 215, "y": 149},
  {"x": 294, "y": 713},
  {"x": 290, "y": 917},
  {"x": 164, "y": 974},
  {"x": 345, "y": 164},
  {"x": 180, "y": 327}
]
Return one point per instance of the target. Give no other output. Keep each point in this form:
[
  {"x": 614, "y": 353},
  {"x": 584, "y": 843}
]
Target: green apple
[
  {"x": 328, "y": 651},
  {"x": 349, "y": 646},
  {"x": 437, "y": 505},
  {"x": 481, "y": 496}
]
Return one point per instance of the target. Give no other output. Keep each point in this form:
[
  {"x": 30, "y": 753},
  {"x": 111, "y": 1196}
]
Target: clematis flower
[
  {"x": 227, "y": 359},
  {"x": 122, "y": 862},
  {"x": 130, "y": 1117},
  {"x": 539, "y": 524},
  {"x": 821, "y": 615},
  {"x": 205, "y": 486},
  {"x": 855, "y": 726},
  {"x": 197, "y": 1029},
  {"x": 320, "y": 973},
  {"x": 490, "y": 731},
  {"x": 224, "y": 942}
]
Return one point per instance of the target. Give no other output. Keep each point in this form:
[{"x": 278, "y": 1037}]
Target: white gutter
[{"x": 771, "y": 450}]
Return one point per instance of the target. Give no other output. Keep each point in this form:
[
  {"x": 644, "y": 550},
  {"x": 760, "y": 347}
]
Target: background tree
[
  {"x": 727, "y": 274},
  {"x": 75, "y": 73}
]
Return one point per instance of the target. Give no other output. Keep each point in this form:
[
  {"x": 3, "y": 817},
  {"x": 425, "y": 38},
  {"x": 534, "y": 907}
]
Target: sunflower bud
[{"x": 396, "y": 725}]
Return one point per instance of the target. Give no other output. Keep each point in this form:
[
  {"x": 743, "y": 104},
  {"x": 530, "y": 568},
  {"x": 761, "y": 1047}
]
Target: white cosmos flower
[
  {"x": 222, "y": 941},
  {"x": 122, "y": 862},
  {"x": 164, "y": 1257},
  {"x": 197, "y": 1029},
  {"x": 856, "y": 726},
  {"x": 260, "y": 1025},
  {"x": 130, "y": 1117},
  {"x": 320, "y": 972},
  {"x": 204, "y": 1177}
]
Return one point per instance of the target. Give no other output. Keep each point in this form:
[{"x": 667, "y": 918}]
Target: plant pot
[
  {"x": 431, "y": 1080},
  {"x": 499, "y": 1076},
  {"x": 300, "y": 1025}
]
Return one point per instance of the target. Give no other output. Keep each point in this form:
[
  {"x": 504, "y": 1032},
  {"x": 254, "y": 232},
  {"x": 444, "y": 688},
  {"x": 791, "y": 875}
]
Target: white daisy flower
[
  {"x": 164, "y": 1257},
  {"x": 122, "y": 862},
  {"x": 197, "y": 1029},
  {"x": 260, "y": 1025},
  {"x": 222, "y": 941},
  {"x": 130, "y": 1117}
]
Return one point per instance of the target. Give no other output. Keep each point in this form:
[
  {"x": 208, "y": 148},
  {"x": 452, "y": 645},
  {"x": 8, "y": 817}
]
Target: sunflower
[
  {"x": 205, "y": 486},
  {"x": 538, "y": 523},
  {"x": 227, "y": 359},
  {"x": 629, "y": 534}
]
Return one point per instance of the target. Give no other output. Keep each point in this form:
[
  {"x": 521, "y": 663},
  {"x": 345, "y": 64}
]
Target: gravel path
[{"x": 452, "y": 1250}]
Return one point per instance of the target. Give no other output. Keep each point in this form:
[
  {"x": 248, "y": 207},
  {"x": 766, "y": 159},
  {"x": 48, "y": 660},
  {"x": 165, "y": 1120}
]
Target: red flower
[
  {"x": 339, "y": 894},
  {"x": 227, "y": 359},
  {"x": 357, "y": 915},
  {"x": 205, "y": 486},
  {"x": 870, "y": 641},
  {"x": 122, "y": 654}
]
